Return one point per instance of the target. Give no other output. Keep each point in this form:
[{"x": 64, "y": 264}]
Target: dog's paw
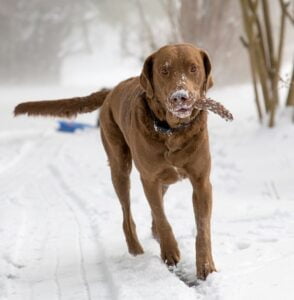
[
  {"x": 204, "y": 269},
  {"x": 135, "y": 249},
  {"x": 170, "y": 254}
]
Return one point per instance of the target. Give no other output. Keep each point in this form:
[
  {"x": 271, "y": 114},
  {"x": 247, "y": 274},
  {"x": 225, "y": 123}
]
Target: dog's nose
[{"x": 179, "y": 96}]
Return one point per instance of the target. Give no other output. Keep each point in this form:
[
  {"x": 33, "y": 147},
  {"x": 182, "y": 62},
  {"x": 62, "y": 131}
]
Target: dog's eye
[
  {"x": 193, "y": 68},
  {"x": 164, "y": 71}
]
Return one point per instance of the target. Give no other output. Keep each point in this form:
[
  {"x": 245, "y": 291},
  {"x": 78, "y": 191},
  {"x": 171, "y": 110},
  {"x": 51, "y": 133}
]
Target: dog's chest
[
  {"x": 179, "y": 151},
  {"x": 171, "y": 174}
]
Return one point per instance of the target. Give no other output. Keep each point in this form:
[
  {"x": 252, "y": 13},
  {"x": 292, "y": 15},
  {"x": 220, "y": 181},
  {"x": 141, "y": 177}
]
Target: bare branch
[
  {"x": 290, "y": 97},
  {"x": 285, "y": 6}
]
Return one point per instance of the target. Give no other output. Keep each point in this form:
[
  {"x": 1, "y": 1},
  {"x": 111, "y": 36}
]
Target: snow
[
  {"x": 182, "y": 81},
  {"x": 60, "y": 220}
]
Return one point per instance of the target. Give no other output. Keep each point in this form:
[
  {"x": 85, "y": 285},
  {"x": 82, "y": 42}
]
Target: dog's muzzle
[{"x": 180, "y": 103}]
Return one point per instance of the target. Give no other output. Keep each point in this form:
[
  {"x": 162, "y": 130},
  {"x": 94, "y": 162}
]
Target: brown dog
[{"x": 152, "y": 120}]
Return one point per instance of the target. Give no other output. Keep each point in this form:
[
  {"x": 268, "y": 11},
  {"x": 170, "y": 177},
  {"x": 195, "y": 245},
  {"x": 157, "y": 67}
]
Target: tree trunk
[
  {"x": 264, "y": 57},
  {"x": 290, "y": 97}
]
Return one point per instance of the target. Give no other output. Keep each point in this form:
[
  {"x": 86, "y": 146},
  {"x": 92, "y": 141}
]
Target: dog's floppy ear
[
  {"x": 146, "y": 77},
  {"x": 207, "y": 66}
]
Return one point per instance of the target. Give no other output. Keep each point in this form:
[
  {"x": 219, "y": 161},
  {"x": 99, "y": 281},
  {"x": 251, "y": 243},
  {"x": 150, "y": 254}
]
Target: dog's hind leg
[{"x": 120, "y": 162}]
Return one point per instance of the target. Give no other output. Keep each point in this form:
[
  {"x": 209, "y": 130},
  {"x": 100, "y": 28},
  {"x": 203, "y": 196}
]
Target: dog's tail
[{"x": 63, "y": 107}]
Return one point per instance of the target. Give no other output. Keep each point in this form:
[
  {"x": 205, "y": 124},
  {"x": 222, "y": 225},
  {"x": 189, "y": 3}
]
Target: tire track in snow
[
  {"x": 58, "y": 286},
  {"x": 54, "y": 203},
  {"x": 81, "y": 208},
  {"x": 56, "y": 192},
  {"x": 31, "y": 164},
  {"x": 82, "y": 258},
  {"x": 28, "y": 168},
  {"x": 32, "y": 244}
]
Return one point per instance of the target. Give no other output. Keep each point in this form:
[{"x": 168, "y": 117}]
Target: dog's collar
[{"x": 163, "y": 127}]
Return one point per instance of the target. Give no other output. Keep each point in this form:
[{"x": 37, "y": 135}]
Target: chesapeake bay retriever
[{"x": 153, "y": 121}]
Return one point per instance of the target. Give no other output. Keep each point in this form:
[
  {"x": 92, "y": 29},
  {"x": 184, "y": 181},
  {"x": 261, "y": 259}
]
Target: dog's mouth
[
  {"x": 182, "y": 112},
  {"x": 181, "y": 103}
]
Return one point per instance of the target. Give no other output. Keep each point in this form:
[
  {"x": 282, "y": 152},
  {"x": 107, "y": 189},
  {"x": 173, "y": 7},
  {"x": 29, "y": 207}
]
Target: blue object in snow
[{"x": 71, "y": 127}]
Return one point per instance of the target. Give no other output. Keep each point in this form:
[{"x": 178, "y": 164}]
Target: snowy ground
[{"x": 60, "y": 220}]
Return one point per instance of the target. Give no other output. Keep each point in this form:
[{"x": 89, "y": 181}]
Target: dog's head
[{"x": 176, "y": 76}]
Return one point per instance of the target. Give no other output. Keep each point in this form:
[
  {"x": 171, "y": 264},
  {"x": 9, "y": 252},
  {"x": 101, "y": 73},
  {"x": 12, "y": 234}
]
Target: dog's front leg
[
  {"x": 170, "y": 253},
  {"x": 202, "y": 203}
]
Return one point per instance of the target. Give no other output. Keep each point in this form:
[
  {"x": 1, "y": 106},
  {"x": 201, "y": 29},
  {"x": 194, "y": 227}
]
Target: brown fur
[
  {"x": 64, "y": 107},
  {"x": 128, "y": 117}
]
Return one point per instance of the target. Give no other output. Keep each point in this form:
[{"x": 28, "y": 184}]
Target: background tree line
[{"x": 38, "y": 35}]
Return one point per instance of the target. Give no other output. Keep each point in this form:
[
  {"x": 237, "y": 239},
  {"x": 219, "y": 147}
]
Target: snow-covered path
[{"x": 60, "y": 221}]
